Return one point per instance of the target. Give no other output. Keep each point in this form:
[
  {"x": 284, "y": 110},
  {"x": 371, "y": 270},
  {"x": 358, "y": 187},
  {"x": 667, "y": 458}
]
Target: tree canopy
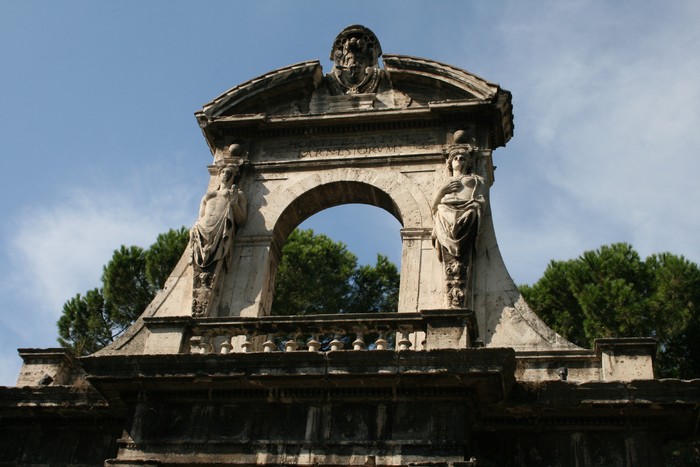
[
  {"x": 612, "y": 292},
  {"x": 130, "y": 280},
  {"x": 608, "y": 292},
  {"x": 318, "y": 275}
]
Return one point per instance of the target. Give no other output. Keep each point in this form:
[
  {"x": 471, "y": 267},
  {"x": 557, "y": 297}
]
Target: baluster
[
  {"x": 381, "y": 343},
  {"x": 336, "y": 343},
  {"x": 269, "y": 344},
  {"x": 291, "y": 345},
  {"x": 205, "y": 346},
  {"x": 194, "y": 344},
  {"x": 247, "y": 344},
  {"x": 359, "y": 342},
  {"x": 404, "y": 343},
  {"x": 226, "y": 345},
  {"x": 313, "y": 344}
]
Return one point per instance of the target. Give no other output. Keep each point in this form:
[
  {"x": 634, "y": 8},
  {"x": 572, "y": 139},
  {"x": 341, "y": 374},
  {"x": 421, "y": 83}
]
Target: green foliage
[
  {"x": 130, "y": 281},
  {"x": 86, "y": 324},
  {"x": 612, "y": 292},
  {"x": 125, "y": 284},
  {"x": 554, "y": 302},
  {"x": 676, "y": 305},
  {"x": 317, "y": 275},
  {"x": 375, "y": 288},
  {"x": 164, "y": 254},
  {"x": 313, "y": 275}
]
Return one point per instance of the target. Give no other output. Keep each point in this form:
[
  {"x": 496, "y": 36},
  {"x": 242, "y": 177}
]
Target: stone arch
[
  {"x": 391, "y": 191},
  {"x": 329, "y": 195},
  {"x": 304, "y": 142},
  {"x": 303, "y": 196}
]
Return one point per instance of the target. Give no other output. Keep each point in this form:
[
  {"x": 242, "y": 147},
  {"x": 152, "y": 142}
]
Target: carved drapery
[
  {"x": 211, "y": 238},
  {"x": 457, "y": 210}
]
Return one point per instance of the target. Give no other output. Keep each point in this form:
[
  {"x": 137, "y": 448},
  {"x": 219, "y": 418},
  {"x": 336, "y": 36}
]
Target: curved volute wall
[{"x": 304, "y": 150}]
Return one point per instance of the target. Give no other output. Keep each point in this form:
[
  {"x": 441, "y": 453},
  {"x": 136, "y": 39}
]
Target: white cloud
[
  {"x": 606, "y": 106},
  {"x": 57, "y": 249},
  {"x": 64, "y": 247}
]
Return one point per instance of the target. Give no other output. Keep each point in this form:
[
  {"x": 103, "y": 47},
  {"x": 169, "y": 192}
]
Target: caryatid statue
[
  {"x": 457, "y": 209},
  {"x": 220, "y": 212}
]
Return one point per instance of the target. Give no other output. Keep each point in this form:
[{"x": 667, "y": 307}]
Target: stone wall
[{"x": 57, "y": 425}]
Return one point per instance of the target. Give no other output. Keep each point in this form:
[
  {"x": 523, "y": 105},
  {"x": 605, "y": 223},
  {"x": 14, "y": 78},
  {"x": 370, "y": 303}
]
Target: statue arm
[
  {"x": 436, "y": 201},
  {"x": 449, "y": 187},
  {"x": 203, "y": 205}
]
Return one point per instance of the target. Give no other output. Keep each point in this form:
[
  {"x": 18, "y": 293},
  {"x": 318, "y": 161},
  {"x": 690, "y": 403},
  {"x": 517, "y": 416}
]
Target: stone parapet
[
  {"x": 429, "y": 329},
  {"x": 612, "y": 359},
  {"x": 44, "y": 367},
  {"x": 626, "y": 358},
  {"x": 488, "y": 372},
  {"x": 564, "y": 365}
]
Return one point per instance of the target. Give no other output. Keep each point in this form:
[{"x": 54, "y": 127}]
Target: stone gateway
[{"x": 463, "y": 374}]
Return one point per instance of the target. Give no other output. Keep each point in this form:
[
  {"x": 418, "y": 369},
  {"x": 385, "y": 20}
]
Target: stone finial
[
  {"x": 232, "y": 155},
  {"x": 462, "y": 137}
]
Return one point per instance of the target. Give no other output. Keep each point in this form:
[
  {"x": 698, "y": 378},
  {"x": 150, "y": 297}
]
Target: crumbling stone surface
[{"x": 57, "y": 425}]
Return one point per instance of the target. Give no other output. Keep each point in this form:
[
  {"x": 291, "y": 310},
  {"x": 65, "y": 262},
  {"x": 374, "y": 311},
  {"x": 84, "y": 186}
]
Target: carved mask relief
[{"x": 355, "y": 56}]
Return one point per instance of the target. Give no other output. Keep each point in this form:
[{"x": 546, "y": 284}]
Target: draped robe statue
[
  {"x": 211, "y": 237},
  {"x": 457, "y": 210}
]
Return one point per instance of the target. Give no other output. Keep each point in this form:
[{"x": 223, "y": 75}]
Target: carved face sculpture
[
  {"x": 226, "y": 176},
  {"x": 460, "y": 163},
  {"x": 352, "y": 59},
  {"x": 355, "y": 54}
]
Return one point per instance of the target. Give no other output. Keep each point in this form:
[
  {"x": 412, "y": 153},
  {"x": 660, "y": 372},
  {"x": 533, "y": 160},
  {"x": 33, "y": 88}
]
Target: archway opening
[
  {"x": 366, "y": 230},
  {"x": 349, "y": 264},
  {"x": 331, "y": 195}
]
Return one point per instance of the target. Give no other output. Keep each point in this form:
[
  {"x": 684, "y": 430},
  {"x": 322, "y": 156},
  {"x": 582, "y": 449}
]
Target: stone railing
[{"x": 426, "y": 330}]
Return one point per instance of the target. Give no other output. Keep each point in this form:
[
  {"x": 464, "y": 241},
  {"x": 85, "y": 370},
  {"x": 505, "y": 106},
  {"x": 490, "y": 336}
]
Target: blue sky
[{"x": 99, "y": 145}]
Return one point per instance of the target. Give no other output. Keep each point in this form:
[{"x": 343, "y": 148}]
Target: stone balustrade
[{"x": 426, "y": 330}]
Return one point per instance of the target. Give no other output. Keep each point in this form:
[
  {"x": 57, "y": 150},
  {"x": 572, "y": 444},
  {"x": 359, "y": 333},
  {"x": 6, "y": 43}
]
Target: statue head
[
  {"x": 227, "y": 174},
  {"x": 460, "y": 159},
  {"x": 355, "y": 54}
]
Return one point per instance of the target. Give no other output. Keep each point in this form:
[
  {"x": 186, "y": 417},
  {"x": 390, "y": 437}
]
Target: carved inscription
[{"x": 348, "y": 146}]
